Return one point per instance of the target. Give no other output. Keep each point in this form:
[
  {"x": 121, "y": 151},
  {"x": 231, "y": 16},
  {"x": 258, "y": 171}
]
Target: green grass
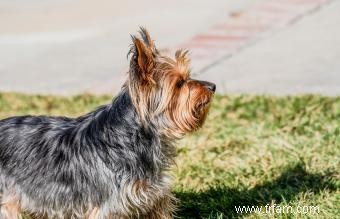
[{"x": 252, "y": 150}]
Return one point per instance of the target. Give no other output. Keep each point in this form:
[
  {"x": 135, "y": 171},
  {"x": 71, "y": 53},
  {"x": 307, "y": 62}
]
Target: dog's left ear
[{"x": 143, "y": 56}]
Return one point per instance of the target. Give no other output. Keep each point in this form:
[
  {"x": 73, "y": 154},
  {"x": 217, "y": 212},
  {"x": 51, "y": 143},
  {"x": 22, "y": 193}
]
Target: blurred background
[{"x": 68, "y": 47}]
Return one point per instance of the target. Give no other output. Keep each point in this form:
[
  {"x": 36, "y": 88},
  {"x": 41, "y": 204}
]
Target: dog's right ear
[{"x": 143, "y": 57}]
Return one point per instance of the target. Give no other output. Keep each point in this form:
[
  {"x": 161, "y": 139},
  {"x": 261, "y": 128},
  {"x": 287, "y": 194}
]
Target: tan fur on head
[{"x": 162, "y": 91}]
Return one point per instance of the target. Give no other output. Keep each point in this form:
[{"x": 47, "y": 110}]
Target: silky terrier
[{"x": 110, "y": 163}]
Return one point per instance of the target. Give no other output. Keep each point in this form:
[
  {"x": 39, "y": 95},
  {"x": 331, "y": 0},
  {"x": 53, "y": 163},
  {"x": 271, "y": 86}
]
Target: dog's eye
[{"x": 180, "y": 83}]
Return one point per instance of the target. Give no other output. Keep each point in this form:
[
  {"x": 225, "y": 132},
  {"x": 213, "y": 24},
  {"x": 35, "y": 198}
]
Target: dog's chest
[{"x": 141, "y": 194}]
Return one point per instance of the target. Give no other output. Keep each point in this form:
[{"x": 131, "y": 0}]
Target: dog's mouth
[{"x": 203, "y": 104}]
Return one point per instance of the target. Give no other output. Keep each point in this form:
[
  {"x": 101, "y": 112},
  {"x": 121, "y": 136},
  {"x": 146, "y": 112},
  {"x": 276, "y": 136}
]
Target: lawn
[{"x": 252, "y": 151}]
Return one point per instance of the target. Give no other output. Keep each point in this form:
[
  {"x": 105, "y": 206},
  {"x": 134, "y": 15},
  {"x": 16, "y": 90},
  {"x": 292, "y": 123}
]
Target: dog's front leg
[{"x": 9, "y": 209}]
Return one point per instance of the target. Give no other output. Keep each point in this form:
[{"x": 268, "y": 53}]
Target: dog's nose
[{"x": 210, "y": 86}]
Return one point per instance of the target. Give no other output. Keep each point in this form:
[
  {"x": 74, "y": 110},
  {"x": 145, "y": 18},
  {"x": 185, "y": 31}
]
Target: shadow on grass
[{"x": 222, "y": 200}]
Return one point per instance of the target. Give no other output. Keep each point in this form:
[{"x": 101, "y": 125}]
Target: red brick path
[{"x": 242, "y": 29}]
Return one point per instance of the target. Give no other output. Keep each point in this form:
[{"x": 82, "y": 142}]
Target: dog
[{"x": 110, "y": 163}]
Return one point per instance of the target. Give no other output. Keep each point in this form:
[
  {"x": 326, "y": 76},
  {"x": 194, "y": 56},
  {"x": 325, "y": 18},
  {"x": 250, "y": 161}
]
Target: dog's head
[{"x": 162, "y": 90}]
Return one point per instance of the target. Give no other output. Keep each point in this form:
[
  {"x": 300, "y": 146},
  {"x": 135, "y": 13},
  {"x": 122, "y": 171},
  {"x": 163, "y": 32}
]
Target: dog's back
[{"x": 42, "y": 163}]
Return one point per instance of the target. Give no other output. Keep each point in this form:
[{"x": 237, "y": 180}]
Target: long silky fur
[{"x": 56, "y": 164}]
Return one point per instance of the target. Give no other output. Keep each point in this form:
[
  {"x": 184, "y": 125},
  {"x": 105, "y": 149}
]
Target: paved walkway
[
  {"x": 295, "y": 51},
  {"x": 258, "y": 46}
]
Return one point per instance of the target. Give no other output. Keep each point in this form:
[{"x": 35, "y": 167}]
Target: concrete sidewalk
[
  {"x": 69, "y": 47},
  {"x": 303, "y": 57},
  {"x": 72, "y": 46}
]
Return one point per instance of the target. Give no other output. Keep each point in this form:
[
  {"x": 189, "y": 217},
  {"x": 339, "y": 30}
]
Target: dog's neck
[{"x": 118, "y": 127}]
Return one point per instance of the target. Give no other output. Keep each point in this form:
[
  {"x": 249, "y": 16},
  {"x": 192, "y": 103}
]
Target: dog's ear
[
  {"x": 143, "y": 57},
  {"x": 147, "y": 40}
]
